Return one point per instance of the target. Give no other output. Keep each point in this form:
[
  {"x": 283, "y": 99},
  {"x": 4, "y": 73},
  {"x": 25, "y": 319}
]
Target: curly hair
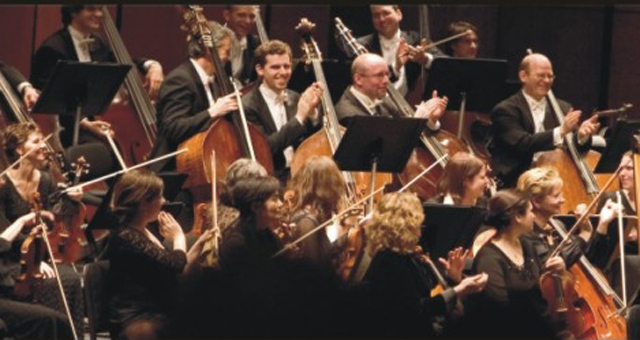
[
  {"x": 134, "y": 186},
  {"x": 539, "y": 182},
  {"x": 319, "y": 183},
  {"x": 462, "y": 167},
  {"x": 271, "y": 47},
  {"x": 239, "y": 170},
  {"x": 395, "y": 224},
  {"x": 14, "y": 136}
]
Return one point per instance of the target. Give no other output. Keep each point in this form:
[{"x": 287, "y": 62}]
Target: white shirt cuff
[
  {"x": 598, "y": 141},
  {"x": 430, "y": 58},
  {"x": 433, "y": 126},
  {"x": 22, "y": 86},
  {"x": 147, "y": 64},
  {"x": 557, "y": 137}
]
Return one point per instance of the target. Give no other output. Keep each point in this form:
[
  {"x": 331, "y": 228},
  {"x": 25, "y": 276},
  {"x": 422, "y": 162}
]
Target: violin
[
  {"x": 287, "y": 231},
  {"x": 67, "y": 232},
  {"x": 32, "y": 253}
]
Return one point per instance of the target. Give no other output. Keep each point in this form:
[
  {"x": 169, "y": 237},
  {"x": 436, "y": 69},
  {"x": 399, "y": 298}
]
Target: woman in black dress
[
  {"x": 143, "y": 277},
  {"x": 20, "y": 185},
  {"x": 511, "y": 305}
]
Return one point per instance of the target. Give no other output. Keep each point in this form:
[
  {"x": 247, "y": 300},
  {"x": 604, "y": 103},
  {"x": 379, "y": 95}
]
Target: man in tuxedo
[
  {"x": 78, "y": 41},
  {"x": 189, "y": 99},
  {"x": 20, "y": 85},
  {"x": 367, "y": 95},
  {"x": 285, "y": 116},
  {"x": 397, "y": 47},
  {"x": 241, "y": 20},
  {"x": 525, "y": 124}
]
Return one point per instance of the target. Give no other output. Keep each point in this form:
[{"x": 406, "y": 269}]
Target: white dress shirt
[
  {"x": 389, "y": 52},
  {"x": 277, "y": 108},
  {"x": 206, "y": 80},
  {"x": 236, "y": 58}
]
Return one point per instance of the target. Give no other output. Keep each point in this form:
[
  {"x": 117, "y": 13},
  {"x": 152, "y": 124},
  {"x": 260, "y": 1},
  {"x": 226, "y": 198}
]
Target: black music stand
[
  {"x": 620, "y": 142},
  {"x": 80, "y": 89},
  {"x": 378, "y": 144},
  {"x": 470, "y": 84},
  {"x": 447, "y": 226}
]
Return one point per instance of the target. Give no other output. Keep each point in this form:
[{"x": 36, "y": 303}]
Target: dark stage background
[{"x": 595, "y": 48}]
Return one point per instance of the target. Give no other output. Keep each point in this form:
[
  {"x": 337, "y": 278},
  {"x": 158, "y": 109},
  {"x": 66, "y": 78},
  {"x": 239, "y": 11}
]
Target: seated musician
[
  {"x": 21, "y": 184},
  {"x": 285, "y": 116},
  {"x": 367, "y": 95},
  {"x": 512, "y": 305},
  {"x": 20, "y": 85},
  {"x": 463, "y": 182},
  {"x": 143, "y": 276},
  {"x": 627, "y": 193},
  {"x": 401, "y": 285},
  {"x": 189, "y": 98},
  {"x": 525, "y": 124},
  {"x": 320, "y": 191},
  {"x": 78, "y": 40},
  {"x": 390, "y": 42},
  {"x": 241, "y": 19},
  {"x": 465, "y": 46},
  {"x": 544, "y": 186},
  {"x": 22, "y": 319}
]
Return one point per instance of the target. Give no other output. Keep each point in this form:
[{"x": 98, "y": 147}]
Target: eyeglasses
[{"x": 545, "y": 76}]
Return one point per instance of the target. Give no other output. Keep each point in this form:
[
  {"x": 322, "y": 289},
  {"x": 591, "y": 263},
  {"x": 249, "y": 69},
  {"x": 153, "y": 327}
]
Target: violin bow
[
  {"x": 621, "y": 237},
  {"x": 348, "y": 209},
  {"x": 23, "y": 156}
]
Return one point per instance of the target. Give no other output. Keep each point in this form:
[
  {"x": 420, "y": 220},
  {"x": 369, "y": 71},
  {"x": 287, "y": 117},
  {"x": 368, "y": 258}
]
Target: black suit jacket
[
  {"x": 13, "y": 76},
  {"x": 59, "y": 46},
  {"x": 514, "y": 141},
  {"x": 349, "y": 106},
  {"x": 291, "y": 134},
  {"x": 248, "y": 73},
  {"x": 372, "y": 43},
  {"x": 182, "y": 111}
]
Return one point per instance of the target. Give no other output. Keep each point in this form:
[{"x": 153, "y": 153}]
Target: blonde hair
[
  {"x": 395, "y": 224},
  {"x": 538, "y": 182}
]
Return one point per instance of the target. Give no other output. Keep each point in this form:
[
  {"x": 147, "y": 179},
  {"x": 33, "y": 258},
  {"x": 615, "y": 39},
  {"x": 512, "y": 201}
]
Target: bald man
[
  {"x": 367, "y": 95},
  {"x": 525, "y": 123}
]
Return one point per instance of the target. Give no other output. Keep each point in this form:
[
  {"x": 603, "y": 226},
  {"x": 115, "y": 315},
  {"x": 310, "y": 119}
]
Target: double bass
[
  {"x": 435, "y": 147},
  {"x": 232, "y": 137},
  {"x": 136, "y": 138},
  {"x": 325, "y": 142}
]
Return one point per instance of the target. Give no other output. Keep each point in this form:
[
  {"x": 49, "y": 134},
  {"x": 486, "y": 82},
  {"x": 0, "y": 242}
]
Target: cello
[
  {"x": 436, "y": 147},
  {"x": 231, "y": 137},
  {"x": 135, "y": 138}
]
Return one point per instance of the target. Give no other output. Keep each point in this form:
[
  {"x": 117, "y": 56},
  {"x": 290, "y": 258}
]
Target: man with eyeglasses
[
  {"x": 367, "y": 95},
  {"x": 525, "y": 124}
]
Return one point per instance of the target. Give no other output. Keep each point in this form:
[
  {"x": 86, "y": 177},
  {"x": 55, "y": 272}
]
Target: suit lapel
[
  {"x": 201, "y": 99},
  {"x": 264, "y": 112},
  {"x": 68, "y": 44}
]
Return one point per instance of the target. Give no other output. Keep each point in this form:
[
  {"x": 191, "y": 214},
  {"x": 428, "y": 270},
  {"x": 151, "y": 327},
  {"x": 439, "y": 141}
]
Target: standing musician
[
  {"x": 285, "y": 116},
  {"x": 512, "y": 302},
  {"x": 188, "y": 99},
  {"x": 400, "y": 285},
  {"x": 22, "y": 319},
  {"x": 20, "y": 84},
  {"x": 78, "y": 41},
  {"x": 367, "y": 95},
  {"x": 241, "y": 19},
  {"x": 320, "y": 191},
  {"x": 20, "y": 186},
  {"x": 465, "y": 46},
  {"x": 524, "y": 124},
  {"x": 143, "y": 275},
  {"x": 392, "y": 44}
]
